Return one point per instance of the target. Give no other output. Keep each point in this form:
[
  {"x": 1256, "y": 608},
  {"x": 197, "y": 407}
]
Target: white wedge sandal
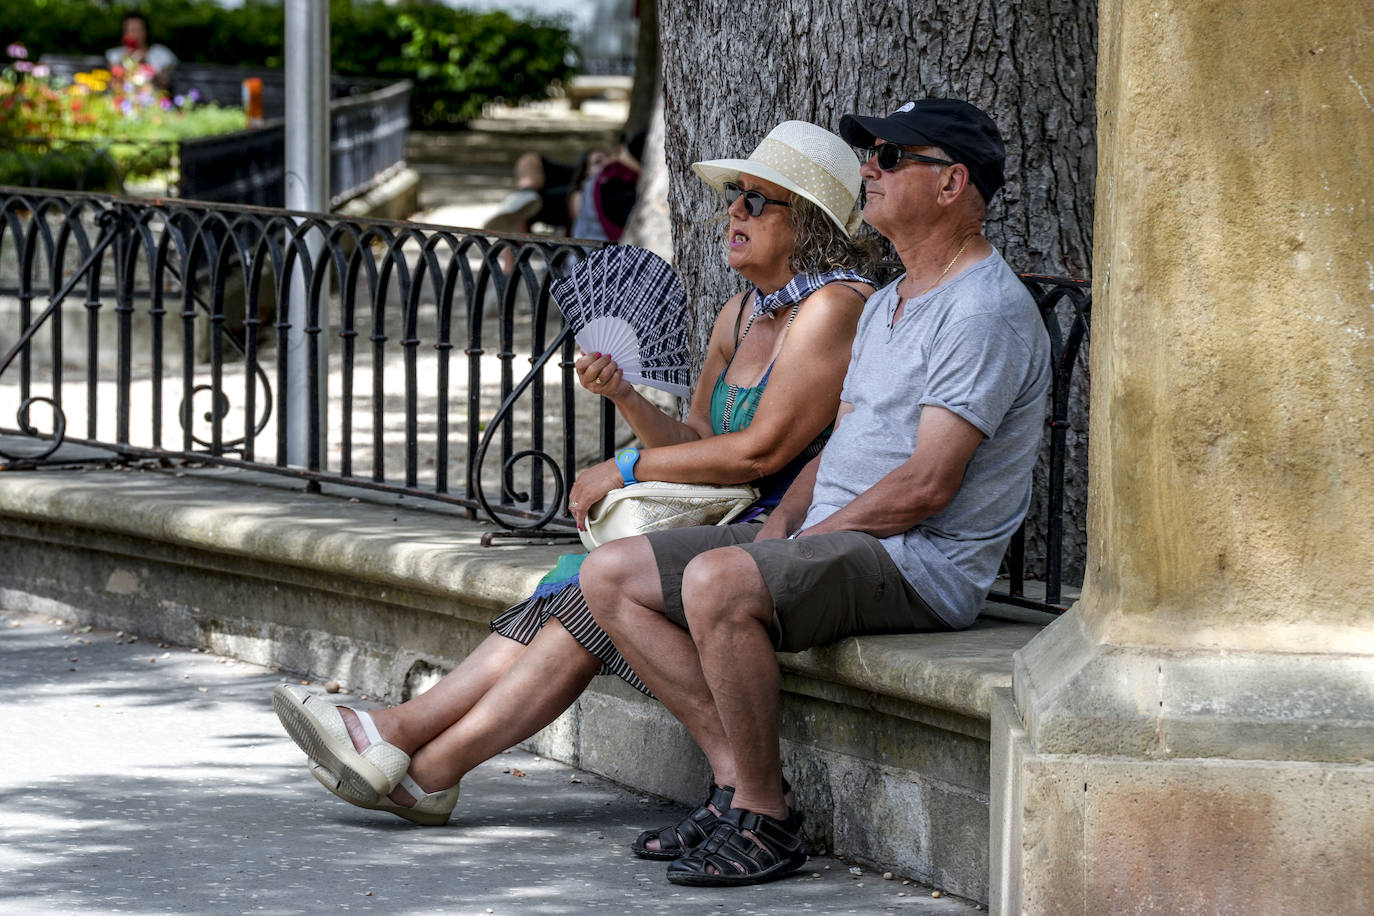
[
  {"x": 431, "y": 809},
  {"x": 317, "y": 727}
]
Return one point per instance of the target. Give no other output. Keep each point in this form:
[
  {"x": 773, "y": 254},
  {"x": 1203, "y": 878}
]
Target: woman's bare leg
[
  {"x": 420, "y": 719},
  {"x": 552, "y": 672}
]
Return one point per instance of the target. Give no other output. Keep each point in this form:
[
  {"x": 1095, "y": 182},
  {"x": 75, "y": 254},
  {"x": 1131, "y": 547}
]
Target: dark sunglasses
[
  {"x": 754, "y": 202},
  {"x": 890, "y": 154}
]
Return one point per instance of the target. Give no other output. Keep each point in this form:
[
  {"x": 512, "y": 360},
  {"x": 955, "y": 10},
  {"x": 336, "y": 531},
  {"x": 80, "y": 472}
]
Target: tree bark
[{"x": 732, "y": 69}]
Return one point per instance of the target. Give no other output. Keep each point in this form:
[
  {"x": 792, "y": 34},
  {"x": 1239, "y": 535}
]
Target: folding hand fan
[{"x": 628, "y": 303}]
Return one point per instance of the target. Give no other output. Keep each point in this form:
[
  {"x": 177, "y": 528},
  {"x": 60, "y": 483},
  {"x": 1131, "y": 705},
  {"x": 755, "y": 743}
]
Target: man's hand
[
  {"x": 591, "y": 486},
  {"x": 774, "y": 527}
]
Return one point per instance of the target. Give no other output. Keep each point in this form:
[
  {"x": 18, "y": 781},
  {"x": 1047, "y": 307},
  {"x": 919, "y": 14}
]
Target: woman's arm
[{"x": 802, "y": 397}]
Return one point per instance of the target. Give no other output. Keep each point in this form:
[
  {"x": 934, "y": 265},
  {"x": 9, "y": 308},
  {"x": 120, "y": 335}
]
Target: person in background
[
  {"x": 591, "y": 200},
  {"x": 609, "y": 193},
  {"x": 136, "y": 50}
]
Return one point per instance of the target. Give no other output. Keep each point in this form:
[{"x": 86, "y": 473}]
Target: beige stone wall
[{"x": 1233, "y": 327}]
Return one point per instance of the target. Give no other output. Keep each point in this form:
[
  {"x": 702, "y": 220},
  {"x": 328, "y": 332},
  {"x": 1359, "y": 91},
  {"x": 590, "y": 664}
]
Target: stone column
[{"x": 1196, "y": 734}]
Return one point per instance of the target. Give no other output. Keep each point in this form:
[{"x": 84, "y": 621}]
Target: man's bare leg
[
  {"x": 730, "y": 609},
  {"x": 620, "y": 582},
  {"x": 529, "y": 172}
]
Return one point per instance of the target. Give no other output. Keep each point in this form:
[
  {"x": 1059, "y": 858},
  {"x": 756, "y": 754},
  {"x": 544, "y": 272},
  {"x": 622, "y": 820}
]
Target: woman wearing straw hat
[{"x": 776, "y": 363}]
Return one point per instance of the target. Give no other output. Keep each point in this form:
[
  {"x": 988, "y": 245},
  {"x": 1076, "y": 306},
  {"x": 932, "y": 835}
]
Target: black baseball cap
[{"x": 960, "y": 129}]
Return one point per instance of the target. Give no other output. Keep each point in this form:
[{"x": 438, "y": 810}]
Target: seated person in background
[
  {"x": 545, "y": 192},
  {"x": 899, "y": 525},
  {"x": 136, "y": 50},
  {"x": 609, "y": 193},
  {"x": 768, "y": 391},
  {"x": 595, "y": 196}
]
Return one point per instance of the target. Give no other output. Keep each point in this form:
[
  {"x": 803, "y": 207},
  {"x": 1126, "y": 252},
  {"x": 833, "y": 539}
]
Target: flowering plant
[{"x": 121, "y": 105}]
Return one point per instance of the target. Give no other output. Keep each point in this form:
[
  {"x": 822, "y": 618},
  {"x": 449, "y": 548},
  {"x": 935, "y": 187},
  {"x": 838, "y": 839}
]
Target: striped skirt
[{"x": 523, "y": 621}]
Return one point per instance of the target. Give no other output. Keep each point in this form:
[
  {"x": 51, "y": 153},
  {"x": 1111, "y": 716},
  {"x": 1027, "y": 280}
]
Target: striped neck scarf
[{"x": 801, "y": 286}]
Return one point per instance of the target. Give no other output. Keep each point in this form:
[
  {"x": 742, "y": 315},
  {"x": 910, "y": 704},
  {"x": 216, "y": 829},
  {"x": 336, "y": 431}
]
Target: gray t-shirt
[{"x": 977, "y": 347}]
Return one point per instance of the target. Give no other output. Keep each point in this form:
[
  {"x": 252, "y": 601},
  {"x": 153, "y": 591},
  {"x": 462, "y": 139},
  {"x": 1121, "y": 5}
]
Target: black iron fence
[
  {"x": 367, "y": 138},
  {"x": 1065, "y": 305},
  {"x": 154, "y": 329}
]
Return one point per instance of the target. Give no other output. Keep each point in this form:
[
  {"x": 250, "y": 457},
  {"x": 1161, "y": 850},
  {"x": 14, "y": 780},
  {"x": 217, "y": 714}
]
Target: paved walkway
[{"x": 144, "y": 778}]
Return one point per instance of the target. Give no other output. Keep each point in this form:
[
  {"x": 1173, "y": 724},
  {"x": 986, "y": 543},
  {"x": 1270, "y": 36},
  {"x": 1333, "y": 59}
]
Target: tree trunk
[{"x": 732, "y": 69}]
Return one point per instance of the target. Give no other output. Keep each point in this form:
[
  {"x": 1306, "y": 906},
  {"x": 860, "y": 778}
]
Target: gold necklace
[{"x": 947, "y": 267}]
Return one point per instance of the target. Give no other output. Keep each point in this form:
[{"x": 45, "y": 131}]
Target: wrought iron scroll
[{"x": 183, "y": 315}]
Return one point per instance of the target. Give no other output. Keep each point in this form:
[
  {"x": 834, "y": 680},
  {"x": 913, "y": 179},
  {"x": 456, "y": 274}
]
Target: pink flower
[{"x": 17, "y": 51}]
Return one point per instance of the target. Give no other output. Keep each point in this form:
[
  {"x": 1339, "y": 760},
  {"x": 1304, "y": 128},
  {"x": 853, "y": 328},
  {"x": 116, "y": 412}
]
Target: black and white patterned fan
[{"x": 628, "y": 303}]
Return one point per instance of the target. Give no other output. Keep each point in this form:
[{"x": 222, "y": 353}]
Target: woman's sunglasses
[
  {"x": 890, "y": 154},
  {"x": 754, "y": 202}
]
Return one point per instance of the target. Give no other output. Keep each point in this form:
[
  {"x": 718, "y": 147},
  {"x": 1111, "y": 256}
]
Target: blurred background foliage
[{"x": 458, "y": 59}]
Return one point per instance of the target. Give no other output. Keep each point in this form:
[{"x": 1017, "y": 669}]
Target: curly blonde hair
[{"x": 818, "y": 245}]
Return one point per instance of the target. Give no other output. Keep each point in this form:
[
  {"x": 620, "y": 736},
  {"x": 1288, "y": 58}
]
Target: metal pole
[{"x": 307, "y": 188}]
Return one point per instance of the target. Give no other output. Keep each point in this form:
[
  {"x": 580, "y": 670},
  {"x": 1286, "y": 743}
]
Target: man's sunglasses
[
  {"x": 754, "y": 202},
  {"x": 890, "y": 154}
]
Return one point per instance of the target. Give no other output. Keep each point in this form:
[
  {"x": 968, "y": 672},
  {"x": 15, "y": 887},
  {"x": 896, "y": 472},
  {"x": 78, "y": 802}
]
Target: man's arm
[{"x": 920, "y": 487}]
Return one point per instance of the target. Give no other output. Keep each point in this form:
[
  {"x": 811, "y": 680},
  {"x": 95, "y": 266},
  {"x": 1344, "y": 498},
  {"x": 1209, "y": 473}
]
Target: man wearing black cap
[{"x": 898, "y": 526}]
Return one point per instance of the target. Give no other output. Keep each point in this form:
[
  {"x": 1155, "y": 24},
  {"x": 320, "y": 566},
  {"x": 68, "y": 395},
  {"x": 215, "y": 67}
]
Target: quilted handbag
[{"x": 656, "y": 505}]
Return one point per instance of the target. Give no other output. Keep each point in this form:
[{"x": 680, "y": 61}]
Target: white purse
[{"x": 656, "y": 505}]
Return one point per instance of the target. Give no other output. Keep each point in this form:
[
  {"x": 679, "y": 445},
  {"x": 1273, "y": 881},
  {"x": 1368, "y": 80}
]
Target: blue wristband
[{"x": 625, "y": 459}]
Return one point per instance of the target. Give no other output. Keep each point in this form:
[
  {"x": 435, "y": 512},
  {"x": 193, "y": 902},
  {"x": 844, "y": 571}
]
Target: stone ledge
[
  {"x": 375, "y": 539},
  {"x": 436, "y": 550},
  {"x": 886, "y": 739}
]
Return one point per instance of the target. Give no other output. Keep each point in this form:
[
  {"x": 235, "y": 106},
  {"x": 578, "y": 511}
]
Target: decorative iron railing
[
  {"x": 369, "y": 121},
  {"x": 1065, "y": 305},
  {"x": 367, "y": 137},
  {"x": 180, "y": 314},
  {"x": 181, "y": 309}
]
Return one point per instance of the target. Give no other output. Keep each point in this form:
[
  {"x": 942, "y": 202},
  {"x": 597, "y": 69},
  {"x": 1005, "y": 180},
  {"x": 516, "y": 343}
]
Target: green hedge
[
  {"x": 459, "y": 59},
  {"x": 59, "y": 167}
]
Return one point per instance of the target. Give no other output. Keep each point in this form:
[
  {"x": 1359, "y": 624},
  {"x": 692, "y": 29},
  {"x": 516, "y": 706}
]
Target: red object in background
[{"x": 252, "y": 99}]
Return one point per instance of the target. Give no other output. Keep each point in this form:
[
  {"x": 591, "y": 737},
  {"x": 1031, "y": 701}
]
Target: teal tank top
[{"x": 732, "y": 409}]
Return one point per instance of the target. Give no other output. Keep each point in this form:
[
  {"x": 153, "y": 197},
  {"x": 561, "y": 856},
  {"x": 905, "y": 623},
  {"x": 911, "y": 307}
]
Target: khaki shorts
[{"x": 825, "y": 587}]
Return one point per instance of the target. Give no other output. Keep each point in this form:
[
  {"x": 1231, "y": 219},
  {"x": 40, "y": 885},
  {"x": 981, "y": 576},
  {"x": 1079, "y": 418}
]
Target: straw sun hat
[{"x": 807, "y": 160}]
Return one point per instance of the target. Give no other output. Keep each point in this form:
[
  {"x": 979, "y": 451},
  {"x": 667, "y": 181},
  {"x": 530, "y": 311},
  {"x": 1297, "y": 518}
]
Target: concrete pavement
[{"x": 145, "y": 778}]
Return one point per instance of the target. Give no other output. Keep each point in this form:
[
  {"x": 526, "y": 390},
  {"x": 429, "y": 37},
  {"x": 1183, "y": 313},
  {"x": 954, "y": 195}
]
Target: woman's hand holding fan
[
  {"x": 627, "y": 304},
  {"x": 600, "y": 374}
]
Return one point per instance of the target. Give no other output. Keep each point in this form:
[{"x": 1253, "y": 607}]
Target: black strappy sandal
[
  {"x": 678, "y": 839},
  {"x": 744, "y": 848}
]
